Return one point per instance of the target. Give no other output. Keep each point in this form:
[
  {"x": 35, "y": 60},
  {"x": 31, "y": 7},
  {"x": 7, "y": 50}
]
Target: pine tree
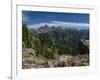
[{"x": 26, "y": 36}]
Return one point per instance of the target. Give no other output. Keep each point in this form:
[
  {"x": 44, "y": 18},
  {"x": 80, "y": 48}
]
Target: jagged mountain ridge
[{"x": 82, "y": 34}]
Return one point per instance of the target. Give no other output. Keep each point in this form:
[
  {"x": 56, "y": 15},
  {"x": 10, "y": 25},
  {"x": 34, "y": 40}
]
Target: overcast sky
[{"x": 34, "y": 19}]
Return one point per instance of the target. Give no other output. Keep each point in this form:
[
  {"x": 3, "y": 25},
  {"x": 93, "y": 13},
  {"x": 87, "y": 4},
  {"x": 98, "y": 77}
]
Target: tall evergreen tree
[{"x": 26, "y": 36}]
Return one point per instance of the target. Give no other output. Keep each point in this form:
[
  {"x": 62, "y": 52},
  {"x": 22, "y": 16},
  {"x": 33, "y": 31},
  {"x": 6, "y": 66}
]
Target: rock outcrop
[{"x": 30, "y": 60}]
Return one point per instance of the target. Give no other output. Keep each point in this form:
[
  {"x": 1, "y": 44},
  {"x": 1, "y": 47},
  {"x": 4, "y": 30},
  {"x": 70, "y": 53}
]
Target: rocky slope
[{"x": 30, "y": 60}]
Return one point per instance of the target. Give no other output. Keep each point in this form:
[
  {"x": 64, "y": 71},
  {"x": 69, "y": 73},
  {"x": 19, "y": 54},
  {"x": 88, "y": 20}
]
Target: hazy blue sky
[{"x": 37, "y": 19}]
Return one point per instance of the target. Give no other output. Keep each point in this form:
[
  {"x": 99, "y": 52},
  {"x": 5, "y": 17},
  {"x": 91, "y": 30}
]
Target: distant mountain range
[
  {"x": 47, "y": 29},
  {"x": 78, "y": 26}
]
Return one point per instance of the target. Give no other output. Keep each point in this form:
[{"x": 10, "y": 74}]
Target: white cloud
[{"x": 62, "y": 24}]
